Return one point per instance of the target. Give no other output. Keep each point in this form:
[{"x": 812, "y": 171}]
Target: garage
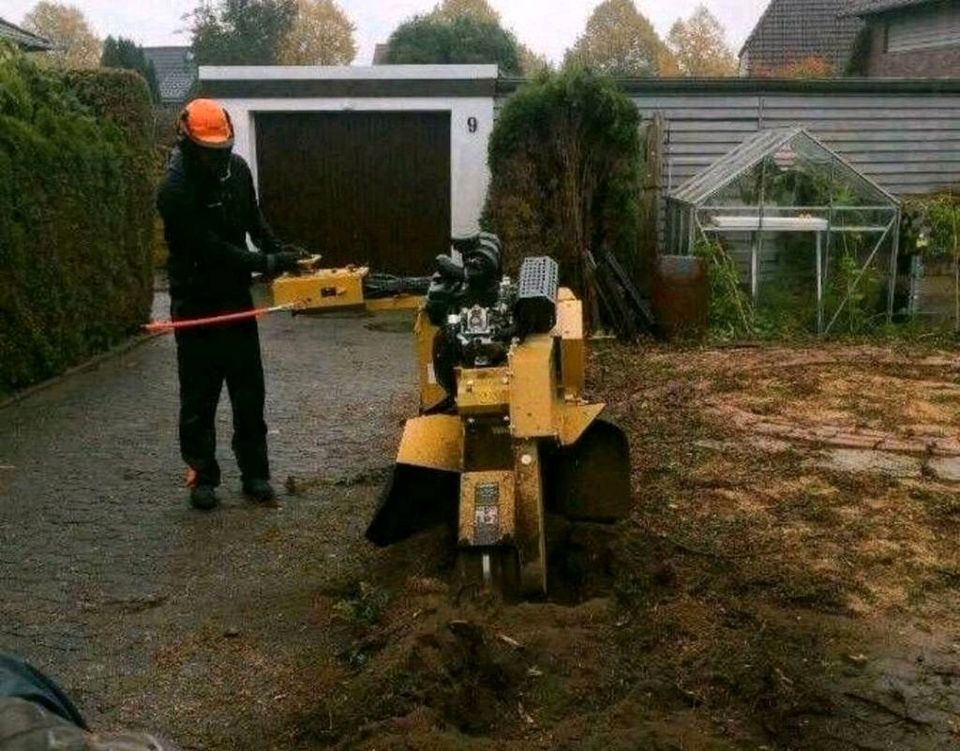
[
  {"x": 358, "y": 186},
  {"x": 377, "y": 165}
]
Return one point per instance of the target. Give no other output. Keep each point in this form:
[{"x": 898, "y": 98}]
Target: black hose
[{"x": 378, "y": 286}]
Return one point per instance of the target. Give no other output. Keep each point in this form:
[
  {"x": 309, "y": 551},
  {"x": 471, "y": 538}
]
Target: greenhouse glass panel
[{"x": 811, "y": 238}]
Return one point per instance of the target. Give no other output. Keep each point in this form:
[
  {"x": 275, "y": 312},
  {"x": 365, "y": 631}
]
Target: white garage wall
[{"x": 470, "y": 176}]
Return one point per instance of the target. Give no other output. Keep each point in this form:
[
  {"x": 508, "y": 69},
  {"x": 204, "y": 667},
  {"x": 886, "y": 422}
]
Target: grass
[
  {"x": 365, "y": 606},
  {"x": 940, "y": 504}
]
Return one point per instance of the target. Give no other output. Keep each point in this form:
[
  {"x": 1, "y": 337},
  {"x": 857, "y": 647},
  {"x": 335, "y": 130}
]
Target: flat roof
[
  {"x": 482, "y": 80},
  {"x": 346, "y": 72},
  {"x": 326, "y": 82},
  {"x": 734, "y": 85}
]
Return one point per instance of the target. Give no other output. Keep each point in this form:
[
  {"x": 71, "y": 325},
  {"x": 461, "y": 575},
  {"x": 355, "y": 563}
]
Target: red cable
[{"x": 160, "y": 327}]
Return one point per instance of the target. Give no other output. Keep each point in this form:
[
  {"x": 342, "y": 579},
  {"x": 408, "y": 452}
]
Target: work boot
[
  {"x": 259, "y": 490},
  {"x": 203, "y": 498}
]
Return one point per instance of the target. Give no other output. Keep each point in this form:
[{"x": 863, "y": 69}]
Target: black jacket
[{"x": 206, "y": 223}]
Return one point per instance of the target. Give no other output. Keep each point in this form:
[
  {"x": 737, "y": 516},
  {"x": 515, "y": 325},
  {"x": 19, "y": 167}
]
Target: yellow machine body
[
  {"x": 519, "y": 443},
  {"x": 327, "y": 290},
  {"x": 323, "y": 289},
  {"x": 434, "y": 442},
  {"x": 491, "y": 456},
  {"x": 568, "y": 333}
]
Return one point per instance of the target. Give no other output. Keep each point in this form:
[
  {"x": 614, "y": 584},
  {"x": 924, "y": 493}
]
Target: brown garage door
[{"x": 359, "y": 187}]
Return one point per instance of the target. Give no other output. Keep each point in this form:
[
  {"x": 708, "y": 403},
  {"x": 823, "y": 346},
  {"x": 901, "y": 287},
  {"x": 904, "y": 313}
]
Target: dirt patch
[
  {"x": 788, "y": 578},
  {"x": 816, "y": 548},
  {"x": 769, "y": 590}
]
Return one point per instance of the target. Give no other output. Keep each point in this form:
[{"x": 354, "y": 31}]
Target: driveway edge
[{"x": 121, "y": 349}]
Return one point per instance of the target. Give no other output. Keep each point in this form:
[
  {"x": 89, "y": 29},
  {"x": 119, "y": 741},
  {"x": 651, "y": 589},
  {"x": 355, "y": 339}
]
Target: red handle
[{"x": 160, "y": 327}]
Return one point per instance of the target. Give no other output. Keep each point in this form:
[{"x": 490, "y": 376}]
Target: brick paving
[{"x": 100, "y": 557}]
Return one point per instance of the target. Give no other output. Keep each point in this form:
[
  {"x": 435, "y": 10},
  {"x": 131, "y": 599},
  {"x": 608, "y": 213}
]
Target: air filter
[{"x": 536, "y": 308}]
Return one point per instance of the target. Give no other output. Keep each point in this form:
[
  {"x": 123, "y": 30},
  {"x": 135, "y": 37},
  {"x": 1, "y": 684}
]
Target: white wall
[{"x": 470, "y": 175}]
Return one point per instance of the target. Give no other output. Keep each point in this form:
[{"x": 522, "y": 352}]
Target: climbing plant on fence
[
  {"x": 731, "y": 314},
  {"x": 931, "y": 226},
  {"x": 931, "y": 229},
  {"x": 76, "y": 199},
  {"x": 566, "y": 166}
]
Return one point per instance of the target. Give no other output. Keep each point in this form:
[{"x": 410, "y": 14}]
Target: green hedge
[
  {"x": 76, "y": 195},
  {"x": 567, "y": 166}
]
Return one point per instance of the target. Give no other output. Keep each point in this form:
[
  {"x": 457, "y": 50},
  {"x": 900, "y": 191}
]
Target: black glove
[
  {"x": 280, "y": 263},
  {"x": 449, "y": 269},
  {"x": 288, "y": 248}
]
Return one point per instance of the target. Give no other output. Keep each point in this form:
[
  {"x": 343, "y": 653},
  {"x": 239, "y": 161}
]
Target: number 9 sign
[{"x": 472, "y": 124}]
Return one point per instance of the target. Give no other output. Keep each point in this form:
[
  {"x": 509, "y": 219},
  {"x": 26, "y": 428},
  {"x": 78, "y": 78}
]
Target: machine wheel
[{"x": 491, "y": 570}]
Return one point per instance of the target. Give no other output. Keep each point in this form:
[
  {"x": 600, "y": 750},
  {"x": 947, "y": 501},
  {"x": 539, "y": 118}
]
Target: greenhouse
[{"x": 809, "y": 236}]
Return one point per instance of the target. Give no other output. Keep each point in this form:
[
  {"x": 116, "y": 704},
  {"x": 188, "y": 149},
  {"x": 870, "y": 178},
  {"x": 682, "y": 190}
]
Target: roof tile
[
  {"x": 176, "y": 71},
  {"x": 793, "y": 30}
]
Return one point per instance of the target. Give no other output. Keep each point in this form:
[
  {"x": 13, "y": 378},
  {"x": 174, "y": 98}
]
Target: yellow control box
[{"x": 322, "y": 289}]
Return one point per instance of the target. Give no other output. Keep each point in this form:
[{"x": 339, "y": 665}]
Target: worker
[{"x": 209, "y": 206}]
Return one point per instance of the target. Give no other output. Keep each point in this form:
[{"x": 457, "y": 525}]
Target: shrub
[
  {"x": 731, "y": 314},
  {"x": 566, "y": 165},
  {"x": 464, "y": 39},
  {"x": 75, "y": 215},
  {"x": 859, "y": 62},
  {"x": 127, "y": 54},
  {"x": 808, "y": 67},
  {"x": 931, "y": 226},
  {"x": 786, "y": 307}
]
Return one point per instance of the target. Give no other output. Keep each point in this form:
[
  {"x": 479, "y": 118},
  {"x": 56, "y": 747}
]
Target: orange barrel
[{"x": 680, "y": 296}]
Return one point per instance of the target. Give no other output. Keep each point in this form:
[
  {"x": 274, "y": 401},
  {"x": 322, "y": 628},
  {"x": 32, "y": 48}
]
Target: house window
[{"x": 937, "y": 27}]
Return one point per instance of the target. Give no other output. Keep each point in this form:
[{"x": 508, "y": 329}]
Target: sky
[{"x": 547, "y": 26}]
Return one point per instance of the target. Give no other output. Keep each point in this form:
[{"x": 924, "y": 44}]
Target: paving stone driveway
[{"x": 95, "y": 534}]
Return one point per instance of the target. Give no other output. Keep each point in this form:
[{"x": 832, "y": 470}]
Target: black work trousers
[{"x": 206, "y": 357}]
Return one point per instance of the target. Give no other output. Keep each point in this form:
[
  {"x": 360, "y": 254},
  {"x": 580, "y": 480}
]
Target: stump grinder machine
[{"x": 505, "y": 439}]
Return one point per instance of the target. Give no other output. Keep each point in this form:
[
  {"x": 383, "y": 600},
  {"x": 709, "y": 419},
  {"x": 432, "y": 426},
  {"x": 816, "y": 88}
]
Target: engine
[
  {"x": 480, "y": 313},
  {"x": 484, "y": 333}
]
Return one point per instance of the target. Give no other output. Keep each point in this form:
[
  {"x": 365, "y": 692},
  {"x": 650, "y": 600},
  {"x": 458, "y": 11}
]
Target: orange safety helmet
[{"x": 207, "y": 124}]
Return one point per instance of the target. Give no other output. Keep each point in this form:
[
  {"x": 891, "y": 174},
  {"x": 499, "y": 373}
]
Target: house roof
[
  {"x": 22, "y": 38},
  {"x": 176, "y": 71},
  {"x": 640, "y": 88},
  {"x": 869, "y": 7},
  {"x": 794, "y": 30}
]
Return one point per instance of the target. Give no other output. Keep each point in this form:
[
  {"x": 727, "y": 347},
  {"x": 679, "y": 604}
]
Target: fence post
[{"x": 651, "y": 213}]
